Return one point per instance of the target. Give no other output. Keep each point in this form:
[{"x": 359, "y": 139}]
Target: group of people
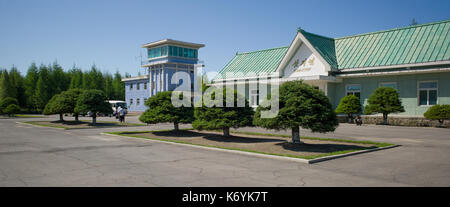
[{"x": 120, "y": 113}]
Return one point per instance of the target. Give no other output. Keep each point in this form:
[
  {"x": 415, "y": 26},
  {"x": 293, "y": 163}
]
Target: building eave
[
  {"x": 173, "y": 42},
  {"x": 135, "y": 78},
  {"x": 446, "y": 62}
]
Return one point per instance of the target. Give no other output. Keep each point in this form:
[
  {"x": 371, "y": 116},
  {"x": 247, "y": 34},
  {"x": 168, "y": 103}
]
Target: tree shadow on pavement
[
  {"x": 214, "y": 137},
  {"x": 322, "y": 148}
]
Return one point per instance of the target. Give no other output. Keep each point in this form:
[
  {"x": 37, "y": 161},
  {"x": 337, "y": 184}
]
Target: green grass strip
[
  {"x": 377, "y": 145},
  {"x": 81, "y": 127},
  {"x": 28, "y": 116}
]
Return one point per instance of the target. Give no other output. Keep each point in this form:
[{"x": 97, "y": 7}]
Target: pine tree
[
  {"x": 349, "y": 105},
  {"x": 118, "y": 87},
  {"x": 17, "y": 82},
  {"x": 438, "y": 112},
  {"x": 58, "y": 79},
  {"x": 160, "y": 110},
  {"x": 300, "y": 105},
  {"x": 76, "y": 78},
  {"x": 43, "y": 90},
  {"x": 30, "y": 83},
  {"x": 384, "y": 100},
  {"x": 109, "y": 90},
  {"x": 93, "y": 101},
  {"x": 215, "y": 115},
  {"x": 6, "y": 89}
]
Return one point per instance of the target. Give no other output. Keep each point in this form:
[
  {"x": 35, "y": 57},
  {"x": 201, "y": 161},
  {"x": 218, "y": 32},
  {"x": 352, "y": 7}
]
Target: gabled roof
[
  {"x": 408, "y": 45},
  {"x": 323, "y": 45},
  {"x": 257, "y": 62},
  {"x": 424, "y": 43}
]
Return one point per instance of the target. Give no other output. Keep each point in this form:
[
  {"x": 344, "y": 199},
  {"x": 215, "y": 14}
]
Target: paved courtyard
[{"x": 40, "y": 156}]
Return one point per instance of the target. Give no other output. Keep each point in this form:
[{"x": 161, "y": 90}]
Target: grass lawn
[
  {"x": 272, "y": 144},
  {"x": 81, "y": 124},
  {"x": 22, "y": 116}
]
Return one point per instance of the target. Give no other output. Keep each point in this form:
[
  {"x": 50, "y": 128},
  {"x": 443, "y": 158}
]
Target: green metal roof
[
  {"x": 324, "y": 45},
  {"x": 408, "y": 45},
  {"x": 257, "y": 62}
]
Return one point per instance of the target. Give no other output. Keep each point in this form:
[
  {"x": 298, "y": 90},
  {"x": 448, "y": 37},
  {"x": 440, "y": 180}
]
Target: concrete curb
[{"x": 321, "y": 159}]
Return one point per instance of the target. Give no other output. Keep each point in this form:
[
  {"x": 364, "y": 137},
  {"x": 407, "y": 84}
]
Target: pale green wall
[{"x": 407, "y": 87}]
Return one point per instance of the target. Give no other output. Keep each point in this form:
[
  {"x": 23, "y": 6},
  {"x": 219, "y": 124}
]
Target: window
[
  {"x": 427, "y": 93},
  {"x": 175, "y": 51},
  {"x": 131, "y": 86},
  {"x": 353, "y": 89},
  {"x": 149, "y": 53},
  {"x": 145, "y": 100},
  {"x": 137, "y": 86},
  {"x": 254, "y": 97},
  {"x": 145, "y": 86},
  {"x": 170, "y": 50},
  {"x": 164, "y": 51},
  {"x": 131, "y": 101},
  {"x": 389, "y": 84},
  {"x": 138, "y": 102},
  {"x": 180, "y": 52}
]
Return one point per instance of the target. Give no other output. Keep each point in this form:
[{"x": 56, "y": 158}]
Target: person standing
[
  {"x": 118, "y": 113},
  {"x": 122, "y": 113}
]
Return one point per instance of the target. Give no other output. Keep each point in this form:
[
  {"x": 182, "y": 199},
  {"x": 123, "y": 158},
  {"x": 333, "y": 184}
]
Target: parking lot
[{"x": 42, "y": 156}]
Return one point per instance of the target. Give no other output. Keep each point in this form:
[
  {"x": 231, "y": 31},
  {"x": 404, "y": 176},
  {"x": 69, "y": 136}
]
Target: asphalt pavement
[{"x": 42, "y": 156}]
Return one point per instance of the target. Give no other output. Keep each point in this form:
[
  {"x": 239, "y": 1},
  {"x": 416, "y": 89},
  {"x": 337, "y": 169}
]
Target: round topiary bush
[{"x": 438, "y": 112}]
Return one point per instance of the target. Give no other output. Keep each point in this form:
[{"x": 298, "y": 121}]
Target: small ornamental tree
[
  {"x": 4, "y": 103},
  {"x": 300, "y": 105},
  {"x": 55, "y": 106},
  {"x": 161, "y": 109},
  {"x": 93, "y": 101},
  {"x": 69, "y": 99},
  {"x": 216, "y": 114},
  {"x": 349, "y": 105},
  {"x": 12, "y": 109},
  {"x": 438, "y": 112},
  {"x": 384, "y": 100}
]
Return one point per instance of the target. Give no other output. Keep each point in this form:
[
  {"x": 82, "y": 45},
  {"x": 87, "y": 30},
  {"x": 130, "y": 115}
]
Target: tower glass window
[{"x": 180, "y": 52}]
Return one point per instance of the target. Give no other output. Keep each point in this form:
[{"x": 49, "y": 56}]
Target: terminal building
[
  {"x": 164, "y": 59},
  {"x": 415, "y": 60}
]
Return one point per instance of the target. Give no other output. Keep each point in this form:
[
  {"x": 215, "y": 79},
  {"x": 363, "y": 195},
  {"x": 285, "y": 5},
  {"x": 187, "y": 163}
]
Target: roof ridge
[
  {"x": 317, "y": 35},
  {"x": 262, "y": 50},
  {"x": 393, "y": 29}
]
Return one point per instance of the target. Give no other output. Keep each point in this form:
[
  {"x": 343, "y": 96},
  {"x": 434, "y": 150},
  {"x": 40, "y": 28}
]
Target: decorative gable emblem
[
  {"x": 311, "y": 61},
  {"x": 295, "y": 64},
  {"x": 303, "y": 66}
]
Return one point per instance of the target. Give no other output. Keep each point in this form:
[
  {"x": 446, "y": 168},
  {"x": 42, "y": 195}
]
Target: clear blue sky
[{"x": 110, "y": 33}]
